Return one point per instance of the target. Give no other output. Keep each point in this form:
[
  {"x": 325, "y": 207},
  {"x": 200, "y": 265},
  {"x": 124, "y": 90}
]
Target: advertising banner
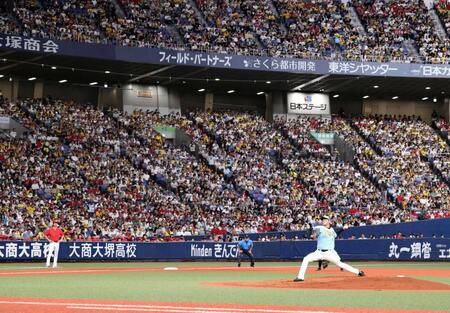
[
  {"x": 377, "y": 249},
  {"x": 308, "y": 103},
  {"x": 180, "y": 57}
]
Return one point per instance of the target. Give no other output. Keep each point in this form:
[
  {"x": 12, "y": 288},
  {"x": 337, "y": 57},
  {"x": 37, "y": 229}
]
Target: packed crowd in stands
[
  {"x": 410, "y": 144},
  {"x": 389, "y": 23},
  {"x": 327, "y": 30},
  {"x": 443, "y": 10},
  {"x": 407, "y": 145},
  {"x": 338, "y": 179},
  {"x": 77, "y": 177},
  {"x": 66, "y": 20},
  {"x": 112, "y": 176},
  {"x": 227, "y": 28},
  {"x": 443, "y": 127},
  {"x": 311, "y": 29},
  {"x": 398, "y": 235},
  {"x": 141, "y": 25},
  {"x": 248, "y": 150}
]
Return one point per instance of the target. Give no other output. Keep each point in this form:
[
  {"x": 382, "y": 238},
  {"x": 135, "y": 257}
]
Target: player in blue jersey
[
  {"x": 246, "y": 247},
  {"x": 325, "y": 250}
]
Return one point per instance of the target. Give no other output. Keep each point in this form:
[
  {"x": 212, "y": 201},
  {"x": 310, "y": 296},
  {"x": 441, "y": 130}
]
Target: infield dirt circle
[
  {"x": 343, "y": 283},
  {"x": 377, "y": 280}
]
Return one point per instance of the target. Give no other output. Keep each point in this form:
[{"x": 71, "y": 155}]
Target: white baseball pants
[
  {"x": 328, "y": 255},
  {"x": 53, "y": 249}
]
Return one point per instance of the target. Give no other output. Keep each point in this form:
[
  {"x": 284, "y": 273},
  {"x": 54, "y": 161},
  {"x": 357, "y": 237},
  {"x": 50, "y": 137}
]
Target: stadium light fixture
[
  {"x": 394, "y": 97},
  {"x": 260, "y": 93},
  {"x": 107, "y": 72},
  {"x": 105, "y": 85},
  {"x": 1, "y": 76},
  {"x": 428, "y": 88},
  {"x": 315, "y": 80},
  {"x": 93, "y": 84},
  {"x": 335, "y": 96},
  {"x": 32, "y": 78},
  {"x": 434, "y": 99},
  {"x": 424, "y": 98},
  {"x": 366, "y": 97},
  {"x": 201, "y": 90},
  {"x": 376, "y": 86},
  {"x": 217, "y": 79},
  {"x": 10, "y": 79},
  {"x": 63, "y": 81},
  {"x": 268, "y": 82},
  {"x": 53, "y": 67},
  {"x": 230, "y": 91}
]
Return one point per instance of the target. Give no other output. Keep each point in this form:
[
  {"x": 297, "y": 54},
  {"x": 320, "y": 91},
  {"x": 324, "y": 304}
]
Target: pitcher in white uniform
[{"x": 325, "y": 250}]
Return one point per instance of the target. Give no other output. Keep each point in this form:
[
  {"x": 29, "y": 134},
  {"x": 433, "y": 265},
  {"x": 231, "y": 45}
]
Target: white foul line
[
  {"x": 86, "y": 271},
  {"x": 137, "y": 307},
  {"x": 142, "y": 310}
]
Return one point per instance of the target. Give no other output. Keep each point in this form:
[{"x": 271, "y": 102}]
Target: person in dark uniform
[
  {"x": 246, "y": 247},
  {"x": 322, "y": 265}
]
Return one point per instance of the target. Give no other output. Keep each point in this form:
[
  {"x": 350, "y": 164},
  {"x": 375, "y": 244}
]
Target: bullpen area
[{"x": 222, "y": 287}]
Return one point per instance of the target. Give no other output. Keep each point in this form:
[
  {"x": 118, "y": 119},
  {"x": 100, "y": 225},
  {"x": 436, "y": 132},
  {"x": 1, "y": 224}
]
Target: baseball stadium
[{"x": 221, "y": 156}]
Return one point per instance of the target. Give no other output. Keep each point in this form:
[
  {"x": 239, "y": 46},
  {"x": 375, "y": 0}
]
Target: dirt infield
[
  {"x": 344, "y": 283},
  {"x": 379, "y": 279},
  {"x": 39, "y": 305}
]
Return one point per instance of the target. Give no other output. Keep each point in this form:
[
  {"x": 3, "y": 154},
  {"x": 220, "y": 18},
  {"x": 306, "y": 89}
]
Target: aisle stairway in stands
[
  {"x": 442, "y": 128},
  {"x": 437, "y": 24},
  {"x": 363, "y": 151}
]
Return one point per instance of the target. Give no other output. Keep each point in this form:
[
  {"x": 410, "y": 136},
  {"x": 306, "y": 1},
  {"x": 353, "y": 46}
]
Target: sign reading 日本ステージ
[{"x": 308, "y": 103}]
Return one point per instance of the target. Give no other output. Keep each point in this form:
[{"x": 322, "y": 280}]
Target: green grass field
[{"x": 116, "y": 281}]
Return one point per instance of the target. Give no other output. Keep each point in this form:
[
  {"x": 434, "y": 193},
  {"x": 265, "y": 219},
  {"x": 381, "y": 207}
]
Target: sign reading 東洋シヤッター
[{"x": 308, "y": 103}]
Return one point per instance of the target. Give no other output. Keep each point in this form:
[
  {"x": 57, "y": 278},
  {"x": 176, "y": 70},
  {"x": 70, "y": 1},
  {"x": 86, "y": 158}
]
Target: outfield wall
[{"x": 377, "y": 249}]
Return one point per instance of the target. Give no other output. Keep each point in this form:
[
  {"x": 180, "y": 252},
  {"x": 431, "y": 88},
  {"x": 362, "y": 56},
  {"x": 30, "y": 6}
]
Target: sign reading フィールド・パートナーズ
[{"x": 308, "y": 103}]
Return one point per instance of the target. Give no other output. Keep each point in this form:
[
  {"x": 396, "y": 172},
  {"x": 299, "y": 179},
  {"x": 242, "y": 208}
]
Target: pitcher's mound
[{"x": 343, "y": 282}]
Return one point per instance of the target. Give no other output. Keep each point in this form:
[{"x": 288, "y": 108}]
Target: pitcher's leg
[
  {"x": 347, "y": 267},
  {"x": 333, "y": 257},
  {"x": 314, "y": 256}
]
